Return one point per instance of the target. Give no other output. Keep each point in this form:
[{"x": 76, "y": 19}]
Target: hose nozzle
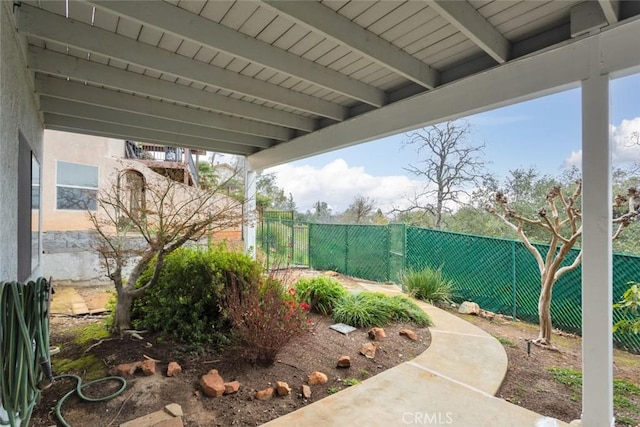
[{"x": 45, "y": 366}]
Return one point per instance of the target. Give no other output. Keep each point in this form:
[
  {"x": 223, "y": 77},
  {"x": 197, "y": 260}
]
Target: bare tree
[
  {"x": 449, "y": 166},
  {"x": 562, "y": 220},
  {"x": 359, "y": 211},
  {"x": 170, "y": 215}
]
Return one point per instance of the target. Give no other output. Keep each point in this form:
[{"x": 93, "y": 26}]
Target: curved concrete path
[{"x": 452, "y": 383}]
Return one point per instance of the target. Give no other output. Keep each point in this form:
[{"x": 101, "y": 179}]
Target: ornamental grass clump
[
  {"x": 428, "y": 285},
  {"x": 321, "y": 293},
  {"x": 266, "y": 317},
  {"x": 367, "y": 309}
]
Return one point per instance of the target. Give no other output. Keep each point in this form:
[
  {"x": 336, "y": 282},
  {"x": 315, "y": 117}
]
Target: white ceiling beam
[
  {"x": 472, "y": 24},
  {"x": 187, "y": 25},
  {"x": 62, "y": 65},
  {"x": 491, "y": 89},
  {"x": 319, "y": 18},
  {"x": 52, "y": 27},
  {"x": 79, "y": 92},
  {"x": 94, "y": 112},
  {"x": 611, "y": 9},
  {"x": 79, "y": 125}
]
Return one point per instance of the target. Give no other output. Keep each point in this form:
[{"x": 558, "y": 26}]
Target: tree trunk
[
  {"x": 544, "y": 310},
  {"x": 122, "y": 315}
]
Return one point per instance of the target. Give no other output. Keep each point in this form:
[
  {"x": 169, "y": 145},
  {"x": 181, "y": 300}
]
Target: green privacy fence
[{"x": 500, "y": 275}]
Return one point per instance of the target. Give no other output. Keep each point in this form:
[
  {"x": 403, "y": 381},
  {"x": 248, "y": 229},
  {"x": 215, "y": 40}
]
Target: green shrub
[
  {"x": 367, "y": 309},
  {"x": 188, "y": 300},
  {"x": 321, "y": 293},
  {"x": 427, "y": 285},
  {"x": 629, "y": 305}
]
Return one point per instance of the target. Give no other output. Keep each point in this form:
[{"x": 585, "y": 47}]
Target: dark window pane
[
  {"x": 76, "y": 198},
  {"x": 35, "y": 197}
]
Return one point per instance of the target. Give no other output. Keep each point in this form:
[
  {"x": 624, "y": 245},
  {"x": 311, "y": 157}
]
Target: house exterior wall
[
  {"x": 68, "y": 239},
  {"x": 19, "y": 115},
  {"x": 75, "y": 148}
]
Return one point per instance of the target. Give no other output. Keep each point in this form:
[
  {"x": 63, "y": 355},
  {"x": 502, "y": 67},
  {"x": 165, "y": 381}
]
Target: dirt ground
[
  {"x": 318, "y": 351},
  {"x": 528, "y": 383}
]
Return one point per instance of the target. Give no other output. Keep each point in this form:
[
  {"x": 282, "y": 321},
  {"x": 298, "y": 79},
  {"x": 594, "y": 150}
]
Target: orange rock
[
  {"x": 265, "y": 394},
  {"x": 148, "y": 367},
  {"x": 282, "y": 388},
  {"x": 173, "y": 369},
  {"x": 306, "y": 391},
  {"x": 231, "y": 387},
  {"x": 344, "y": 362},
  {"x": 212, "y": 384},
  {"x": 377, "y": 334},
  {"x": 369, "y": 350},
  {"x": 409, "y": 334},
  {"x": 124, "y": 369},
  {"x": 317, "y": 378}
]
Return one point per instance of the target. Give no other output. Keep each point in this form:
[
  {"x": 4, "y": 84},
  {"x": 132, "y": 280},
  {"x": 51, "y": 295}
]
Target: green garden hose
[{"x": 25, "y": 367}]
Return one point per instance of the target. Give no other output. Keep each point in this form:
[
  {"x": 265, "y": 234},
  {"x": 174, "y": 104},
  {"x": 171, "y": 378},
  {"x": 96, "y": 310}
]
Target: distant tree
[
  {"x": 379, "y": 218},
  {"x": 322, "y": 212},
  {"x": 269, "y": 195},
  {"x": 447, "y": 163},
  {"x": 169, "y": 215},
  {"x": 359, "y": 211},
  {"x": 561, "y": 219}
]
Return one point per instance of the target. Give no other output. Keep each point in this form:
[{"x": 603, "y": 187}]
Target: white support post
[
  {"x": 597, "y": 345},
  {"x": 249, "y": 210}
]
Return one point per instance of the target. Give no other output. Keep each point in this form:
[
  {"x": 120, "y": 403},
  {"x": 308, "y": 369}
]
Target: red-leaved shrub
[{"x": 266, "y": 317}]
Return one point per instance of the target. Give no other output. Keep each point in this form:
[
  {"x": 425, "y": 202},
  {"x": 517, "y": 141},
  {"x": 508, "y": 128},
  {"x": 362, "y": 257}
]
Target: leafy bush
[
  {"x": 321, "y": 293},
  {"x": 630, "y": 304},
  {"x": 428, "y": 285},
  {"x": 266, "y": 318},
  {"x": 366, "y": 309},
  {"x": 188, "y": 300}
]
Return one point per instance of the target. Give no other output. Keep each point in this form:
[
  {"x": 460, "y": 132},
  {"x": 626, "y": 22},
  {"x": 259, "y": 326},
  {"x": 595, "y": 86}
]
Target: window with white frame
[{"x": 76, "y": 186}]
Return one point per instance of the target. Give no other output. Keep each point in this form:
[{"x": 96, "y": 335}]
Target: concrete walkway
[{"x": 452, "y": 383}]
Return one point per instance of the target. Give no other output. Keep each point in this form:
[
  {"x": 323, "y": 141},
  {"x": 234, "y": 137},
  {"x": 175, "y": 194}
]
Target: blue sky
[{"x": 545, "y": 133}]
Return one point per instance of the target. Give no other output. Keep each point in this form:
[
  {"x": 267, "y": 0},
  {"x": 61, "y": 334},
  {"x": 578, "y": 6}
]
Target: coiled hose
[{"x": 25, "y": 367}]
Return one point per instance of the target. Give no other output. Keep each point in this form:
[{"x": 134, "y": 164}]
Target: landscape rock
[
  {"x": 344, "y": 362},
  {"x": 282, "y": 388},
  {"x": 369, "y": 350},
  {"x": 148, "y": 367},
  {"x": 409, "y": 334},
  {"x": 231, "y": 387},
  {"x": 212, "y": 384},
  {"x": 377, "y": 334},
  {"x": 173, "y": 369},
  {"x": 469, "y": 307},
  {"x": 489, "y": 315},
  {"x": 317, "y": 377},
  {"x": 125, "y": 369},
  {"x": 265, "y": 394},
  {"x": 330, "y": 273},
  {"x": 174, "y": 409},
  {"x": 306, "y": 391}
]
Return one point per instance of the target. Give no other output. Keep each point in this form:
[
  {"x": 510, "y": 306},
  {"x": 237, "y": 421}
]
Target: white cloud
[
  {"x": 625, "y": 140},
  {"x": 337, "y": 184}
]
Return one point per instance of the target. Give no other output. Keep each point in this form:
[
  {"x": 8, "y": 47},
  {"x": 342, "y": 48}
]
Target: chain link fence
[{"x": 500, "y": 275}]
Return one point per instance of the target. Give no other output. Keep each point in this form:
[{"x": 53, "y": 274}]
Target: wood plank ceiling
[{"x": 243, "y": 76}]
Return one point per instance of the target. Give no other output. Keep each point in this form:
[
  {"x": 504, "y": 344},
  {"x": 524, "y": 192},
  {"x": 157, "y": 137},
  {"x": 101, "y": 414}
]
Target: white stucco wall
[{"x": 18, "y": 113}]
